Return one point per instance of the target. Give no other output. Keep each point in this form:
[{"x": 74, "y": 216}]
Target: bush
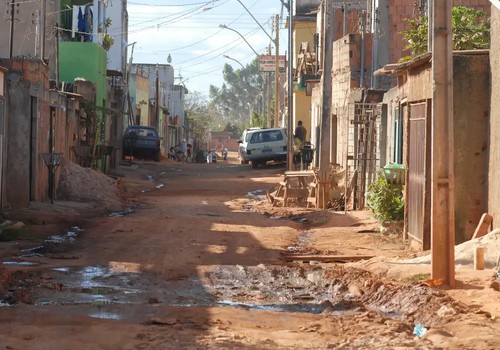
[{"x": 385, "y": 200}]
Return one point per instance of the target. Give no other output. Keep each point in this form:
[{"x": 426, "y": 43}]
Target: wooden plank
[
  {"x": 325, "y": 258},
  {"x": 484, "y": 225}
]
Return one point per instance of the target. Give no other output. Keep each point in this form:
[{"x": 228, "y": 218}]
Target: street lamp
[
  {"x": 223, "y": 26},
  {"x": 234, "y": 59}
]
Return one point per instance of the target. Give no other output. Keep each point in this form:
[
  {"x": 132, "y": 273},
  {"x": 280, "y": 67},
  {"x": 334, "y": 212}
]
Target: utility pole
[
  {"x": 290, "y": 87},
  {"x": 277, "y": 74},
  {"x": 57, "y": 56},
  {"x": 326, "y": 93},
  {"x": 42, "y": 29},
  {"x": 442, "y": 155},
  {"x": 157, "y": 96},
  {"x": 269, "y": 95},
  {"x": 12, "y": 18}
]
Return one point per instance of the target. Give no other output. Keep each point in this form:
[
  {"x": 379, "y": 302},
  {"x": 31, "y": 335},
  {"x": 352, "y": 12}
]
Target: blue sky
[{"x": 189, "y": 31}]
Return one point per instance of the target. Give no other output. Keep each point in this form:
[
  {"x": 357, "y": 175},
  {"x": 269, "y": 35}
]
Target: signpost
[{"x": 267, "y": 63}]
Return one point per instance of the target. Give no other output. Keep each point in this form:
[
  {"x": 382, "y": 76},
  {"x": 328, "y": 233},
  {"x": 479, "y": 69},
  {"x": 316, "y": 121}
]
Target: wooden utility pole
[
  {"x": 442, "y": 155},
  {"x": 323, "y": 194},
  {"x": 277, "y": 74}
]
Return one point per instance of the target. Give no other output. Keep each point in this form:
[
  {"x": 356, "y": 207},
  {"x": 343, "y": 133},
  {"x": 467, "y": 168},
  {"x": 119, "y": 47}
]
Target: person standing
[
  {"x": 224, "y": 153},
  {"x": 183, "y": 149},
  {"x": 300, "y": 132}
]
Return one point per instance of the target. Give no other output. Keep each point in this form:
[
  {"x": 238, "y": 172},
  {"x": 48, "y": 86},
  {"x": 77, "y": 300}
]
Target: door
[{"x": 418, "y": 197}]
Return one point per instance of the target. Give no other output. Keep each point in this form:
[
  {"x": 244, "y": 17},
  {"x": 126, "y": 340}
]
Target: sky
[{"x": 189, "y": 31}]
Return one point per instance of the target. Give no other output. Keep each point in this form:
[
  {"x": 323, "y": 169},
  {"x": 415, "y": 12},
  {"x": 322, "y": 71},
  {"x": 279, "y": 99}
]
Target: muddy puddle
[
  {"x": 54, "y": 244},
  {"x": 337, "y": 290},
  {"x": 102, "y": 291},
  {"x": 124, "y": 212}
]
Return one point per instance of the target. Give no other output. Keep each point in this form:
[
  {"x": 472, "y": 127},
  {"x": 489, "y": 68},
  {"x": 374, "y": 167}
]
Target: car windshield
[
  {"x": 266, "y": 136},
  {"x": 142, "y": 132}
]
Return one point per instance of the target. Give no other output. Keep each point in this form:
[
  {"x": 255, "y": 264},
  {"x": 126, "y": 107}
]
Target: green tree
[
  {"x": 200, "y": 119},
  {"x": 239, "y": 95},
  {"x": 471, "y": 30}
]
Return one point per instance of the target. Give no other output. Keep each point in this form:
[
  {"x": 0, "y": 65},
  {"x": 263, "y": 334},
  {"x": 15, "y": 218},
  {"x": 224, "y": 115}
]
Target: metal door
[{"x": 418, "y": 173}]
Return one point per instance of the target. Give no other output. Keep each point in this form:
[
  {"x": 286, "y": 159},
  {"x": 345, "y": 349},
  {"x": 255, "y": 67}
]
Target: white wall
[{"x": 117, "y": 54}]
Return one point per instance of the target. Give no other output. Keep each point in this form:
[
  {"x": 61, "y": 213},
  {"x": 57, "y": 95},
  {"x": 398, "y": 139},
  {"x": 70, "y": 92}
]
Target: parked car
[
  {"x": 259, "y": 146},
  {"x": 141, "y": 141}
]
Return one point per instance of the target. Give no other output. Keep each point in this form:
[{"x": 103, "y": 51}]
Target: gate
[
  {"x": 363, "y": 151},
  {"x": 418, "y": 195}
]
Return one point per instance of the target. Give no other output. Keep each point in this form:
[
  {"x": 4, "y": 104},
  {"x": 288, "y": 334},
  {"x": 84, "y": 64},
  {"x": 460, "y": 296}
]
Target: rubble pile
[{"x": 85, "y": 184}]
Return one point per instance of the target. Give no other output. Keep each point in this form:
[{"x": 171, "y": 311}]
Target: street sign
[{"x": 267, "y": 63}]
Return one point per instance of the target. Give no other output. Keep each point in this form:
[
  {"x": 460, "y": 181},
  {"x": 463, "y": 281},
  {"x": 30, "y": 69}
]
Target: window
[{"x": 266, "y": 136}]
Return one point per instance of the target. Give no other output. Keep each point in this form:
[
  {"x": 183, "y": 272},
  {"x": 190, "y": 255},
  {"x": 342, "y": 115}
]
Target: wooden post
[
  {"x": 324, "y": 154},
  {"x": 442, "y": 155}
]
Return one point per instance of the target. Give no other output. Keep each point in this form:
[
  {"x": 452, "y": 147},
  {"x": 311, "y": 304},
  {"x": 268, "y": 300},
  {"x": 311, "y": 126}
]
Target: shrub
[{"x": 385, "y": 200}]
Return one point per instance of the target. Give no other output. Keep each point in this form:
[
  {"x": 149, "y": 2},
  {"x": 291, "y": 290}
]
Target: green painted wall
[{"x": 85, "y": 60}]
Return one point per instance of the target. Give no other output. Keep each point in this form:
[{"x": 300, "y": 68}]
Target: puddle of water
[
  {"x": 257, "y": 194},
  {"x": 294, "y": 308},
  {"x": 34, "y": 252},
  {"x": 61, "y": 269},
  {"x": 90, "y": 273},
  {"x": 146, "y": 191},
  {"x": 20, "y": 263},
  {"x": 105, "y": 315},
  {"x": 160, "y": 185},
  {"x": 4, "y": 304},
  {"x": 150, "y": 178},
  {"x": 122, "y": 213},
  {"x": 53, "y": 244}
]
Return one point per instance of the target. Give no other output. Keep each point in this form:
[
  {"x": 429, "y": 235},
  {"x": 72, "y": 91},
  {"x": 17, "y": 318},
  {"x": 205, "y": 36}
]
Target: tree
[
  {"x": 471, "y": 30},
  {"x": 239, "y": 95},
  {"x": 200, "y": 119}
]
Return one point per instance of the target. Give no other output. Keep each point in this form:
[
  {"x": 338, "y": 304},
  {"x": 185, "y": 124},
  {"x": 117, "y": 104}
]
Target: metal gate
[
  {"x": 418, "y": 196},
  {"x": 363, "y": 151}
]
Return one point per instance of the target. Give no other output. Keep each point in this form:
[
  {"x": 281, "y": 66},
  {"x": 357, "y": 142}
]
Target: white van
[{"x": 259, "y": 146}]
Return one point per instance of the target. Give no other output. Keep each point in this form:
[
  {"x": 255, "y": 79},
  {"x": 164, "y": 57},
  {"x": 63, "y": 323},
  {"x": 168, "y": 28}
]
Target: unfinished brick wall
[{"x": 402, "y": 10}]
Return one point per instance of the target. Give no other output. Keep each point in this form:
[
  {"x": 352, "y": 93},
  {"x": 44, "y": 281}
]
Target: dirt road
[{"x": 196, "y": 262}]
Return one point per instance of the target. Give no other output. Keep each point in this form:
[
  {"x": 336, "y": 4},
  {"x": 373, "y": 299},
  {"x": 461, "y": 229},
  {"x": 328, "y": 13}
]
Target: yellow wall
[{"x": 302, "y": 32}]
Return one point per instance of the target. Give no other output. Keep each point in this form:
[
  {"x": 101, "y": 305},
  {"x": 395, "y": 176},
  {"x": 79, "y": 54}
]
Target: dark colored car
[{"x": 140, "y": 141}]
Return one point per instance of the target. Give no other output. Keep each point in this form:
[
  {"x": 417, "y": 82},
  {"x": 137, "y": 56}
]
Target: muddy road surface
[{"x": 196, "y": 262}]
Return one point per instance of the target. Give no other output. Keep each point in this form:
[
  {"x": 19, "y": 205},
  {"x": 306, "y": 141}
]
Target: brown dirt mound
[{"x": 85, "y": 184}]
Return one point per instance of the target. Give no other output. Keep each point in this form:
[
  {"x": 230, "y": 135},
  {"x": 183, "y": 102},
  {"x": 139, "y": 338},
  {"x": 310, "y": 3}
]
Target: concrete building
[
  {"x": 116, "y": 11},
  {"x": 139, "y": 98},
  {"x": 304, "y": 28}
]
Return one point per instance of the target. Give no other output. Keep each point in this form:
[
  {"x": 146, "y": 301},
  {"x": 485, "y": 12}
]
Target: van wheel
[
  {"x": 157, "y": 156},
  {"x": 255, "y": 164}
]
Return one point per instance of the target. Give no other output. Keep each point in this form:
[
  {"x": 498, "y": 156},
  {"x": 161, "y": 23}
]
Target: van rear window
[{"x": 266, "y": 136}]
